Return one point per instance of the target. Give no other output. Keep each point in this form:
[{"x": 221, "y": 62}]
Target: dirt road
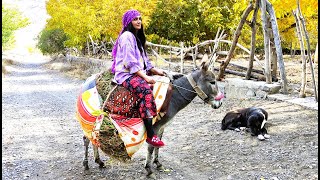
[{"x": 41, "y": 139}]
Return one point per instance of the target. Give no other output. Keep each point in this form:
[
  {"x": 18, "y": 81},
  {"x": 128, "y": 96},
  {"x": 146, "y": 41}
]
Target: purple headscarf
[{"x": 126, "y": 19}]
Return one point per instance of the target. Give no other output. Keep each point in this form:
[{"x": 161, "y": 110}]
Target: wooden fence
[{"x": 172, "y": 57}]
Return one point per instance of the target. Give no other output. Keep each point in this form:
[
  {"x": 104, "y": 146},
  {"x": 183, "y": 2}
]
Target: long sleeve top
[{"x": 129, "y": 59}]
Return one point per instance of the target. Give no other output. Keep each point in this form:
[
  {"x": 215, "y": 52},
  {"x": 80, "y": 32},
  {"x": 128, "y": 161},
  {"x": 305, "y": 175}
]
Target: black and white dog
[{"x": 252, "y": 118}]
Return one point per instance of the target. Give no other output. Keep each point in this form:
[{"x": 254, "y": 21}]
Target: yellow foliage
[
  {"x": 98, "y": 18},
  {"x": 102, "y": 19},
  {"x": 285, "y": 20}
]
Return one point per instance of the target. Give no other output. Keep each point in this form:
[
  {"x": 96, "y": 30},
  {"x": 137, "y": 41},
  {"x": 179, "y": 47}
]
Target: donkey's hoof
[
  {"x": 87, "y": 172},
  {"x": 86, "y": 167},
  {"x": 152, "y": 176},
  {"x": 102, "y": 164},
  {"x": 85, "y": 164},
  {"x": 161, "y": 168}
]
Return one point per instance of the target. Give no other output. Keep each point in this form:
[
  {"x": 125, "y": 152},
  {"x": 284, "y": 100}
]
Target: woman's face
[{"x": 136, "y": 22}]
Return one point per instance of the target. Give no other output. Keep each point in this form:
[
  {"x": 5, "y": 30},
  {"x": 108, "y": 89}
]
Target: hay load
[
  {"x": 108, "y": 138},
  {"x": 104, "y": 84},
  {"x": 108, "y": 119},
  {"x": 110, "y": 141}
]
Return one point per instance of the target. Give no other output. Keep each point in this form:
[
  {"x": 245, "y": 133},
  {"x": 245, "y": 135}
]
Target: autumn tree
[
  {"x": 286, "y": 20},
  {"x": 99, "y": 18},
  {"x": 189, "y": 21},
  {"x": 192, "y": 21},
  {"x": 12, "y": 20}
]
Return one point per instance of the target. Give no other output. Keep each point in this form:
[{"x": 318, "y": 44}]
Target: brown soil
[{"x": 41, "y": 138}]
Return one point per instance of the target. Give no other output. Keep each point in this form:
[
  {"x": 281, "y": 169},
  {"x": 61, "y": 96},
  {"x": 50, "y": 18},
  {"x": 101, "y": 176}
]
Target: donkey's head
[{"x": 208, "y": 84}]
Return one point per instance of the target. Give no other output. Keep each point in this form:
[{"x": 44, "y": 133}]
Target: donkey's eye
[{"x": 213, "y": 82}]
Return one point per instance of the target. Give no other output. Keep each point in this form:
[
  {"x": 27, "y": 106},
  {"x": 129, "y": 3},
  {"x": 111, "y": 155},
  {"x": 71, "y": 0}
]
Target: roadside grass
[
  {"x": 74, "y": 70},
  {"x": 6, "y": 62}
]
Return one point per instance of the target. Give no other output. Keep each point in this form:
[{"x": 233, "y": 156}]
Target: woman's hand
[
  {"x": 149, "y": 80},
  {"x": 157, "y": 72}
]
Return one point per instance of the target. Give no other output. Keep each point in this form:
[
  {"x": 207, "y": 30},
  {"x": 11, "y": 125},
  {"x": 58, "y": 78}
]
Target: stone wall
[{"x": 240, "y": 88}]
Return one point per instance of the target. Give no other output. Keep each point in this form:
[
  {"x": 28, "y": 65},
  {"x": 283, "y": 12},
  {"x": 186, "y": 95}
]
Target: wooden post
[
  {"x": 302, "y": 93},
  {"x": 266, "y": 38},
  {"x": 253, "y": 40},
  {"x": 88, "y": 46},
  {"x": 93, "y": 47},
  {"x": 181, "y": 58},
  {"x": 194, "y": 57},
  {"x": 236, "y": 35},
  {"x": 277, "y": 43},
  {"x": 309, "y": 54},
  {"x": 156, "y": 63},
  {"x": 170, "y": 57},
  {"x": 316, "y": 54},
  {"x": 273, "y": 54}
]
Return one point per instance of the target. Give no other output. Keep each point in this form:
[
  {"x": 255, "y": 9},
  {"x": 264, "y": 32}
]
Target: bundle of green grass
[{"x": 109, "y": 139}]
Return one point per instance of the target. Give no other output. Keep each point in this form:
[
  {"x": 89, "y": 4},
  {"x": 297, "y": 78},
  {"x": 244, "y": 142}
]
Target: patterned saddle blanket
[
  {"x": 123, "y": 102},
  {"x": 122, "y": 111}
]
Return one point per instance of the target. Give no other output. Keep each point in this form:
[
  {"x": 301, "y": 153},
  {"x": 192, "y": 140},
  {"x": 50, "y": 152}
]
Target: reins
[
  {"x": 180, "y": 87},
  {"x": 194, "y": 85}
]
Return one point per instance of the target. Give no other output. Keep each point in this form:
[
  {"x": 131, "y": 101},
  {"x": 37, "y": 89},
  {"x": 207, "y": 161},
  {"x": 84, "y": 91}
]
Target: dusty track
[{"x": 41, "y": 139}]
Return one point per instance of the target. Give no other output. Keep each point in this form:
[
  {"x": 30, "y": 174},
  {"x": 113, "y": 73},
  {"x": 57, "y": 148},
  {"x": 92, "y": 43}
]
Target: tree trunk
[
  {"x": 302, "y": 93},
  {"x": 274, "y": 65},
  {"x": 277, "y": 42},
  {"x": 253, "y": 40},
  {"x": 266, "y": 38},
  {"x": 88, "y": 46},
  {"x": 235, "y": 40},
  {"x": 309, "y": 55},
  {"x": 291, "y": 50},
  {"x": 316, "y": 55},
  {"x": 93, "y": 46},
  {"x": 273, "y": 55},
  {"x": 181, "y": 58}
]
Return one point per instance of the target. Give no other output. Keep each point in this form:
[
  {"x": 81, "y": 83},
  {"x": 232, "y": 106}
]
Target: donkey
[{"x": 200, "y": 82}]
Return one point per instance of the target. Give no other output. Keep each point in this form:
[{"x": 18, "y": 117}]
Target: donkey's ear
[{"x": 205, "y": 62}]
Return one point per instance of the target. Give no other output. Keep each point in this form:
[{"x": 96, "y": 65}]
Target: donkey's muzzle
[
  {"x": 217, "y": 102},
  {"x": 219, "y": 96}
]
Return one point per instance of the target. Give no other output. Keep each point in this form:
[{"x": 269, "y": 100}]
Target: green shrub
[
  {"x": 12, "y": 20},
  {"x": 51, "y": 42}
]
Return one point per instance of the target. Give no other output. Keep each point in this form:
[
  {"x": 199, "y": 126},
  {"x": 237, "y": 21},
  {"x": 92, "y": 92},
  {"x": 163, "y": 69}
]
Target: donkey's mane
[{"x": 177, "y": 76}]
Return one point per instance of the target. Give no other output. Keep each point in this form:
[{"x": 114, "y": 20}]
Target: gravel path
[
  {"x": 41, "y": 139},
  {"x": 39, "y": 132}
]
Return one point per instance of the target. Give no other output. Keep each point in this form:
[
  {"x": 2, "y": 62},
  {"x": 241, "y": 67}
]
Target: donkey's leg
[
  {"x": 86, "y": 142},
  {"x": 148, "y": 161},
  {"x": 156, "y": 154},
  {"x": 97, "y": 157}
]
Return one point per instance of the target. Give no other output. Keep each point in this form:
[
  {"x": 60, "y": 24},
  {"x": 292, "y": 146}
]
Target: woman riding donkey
[{"x": 132, "y": 69}]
